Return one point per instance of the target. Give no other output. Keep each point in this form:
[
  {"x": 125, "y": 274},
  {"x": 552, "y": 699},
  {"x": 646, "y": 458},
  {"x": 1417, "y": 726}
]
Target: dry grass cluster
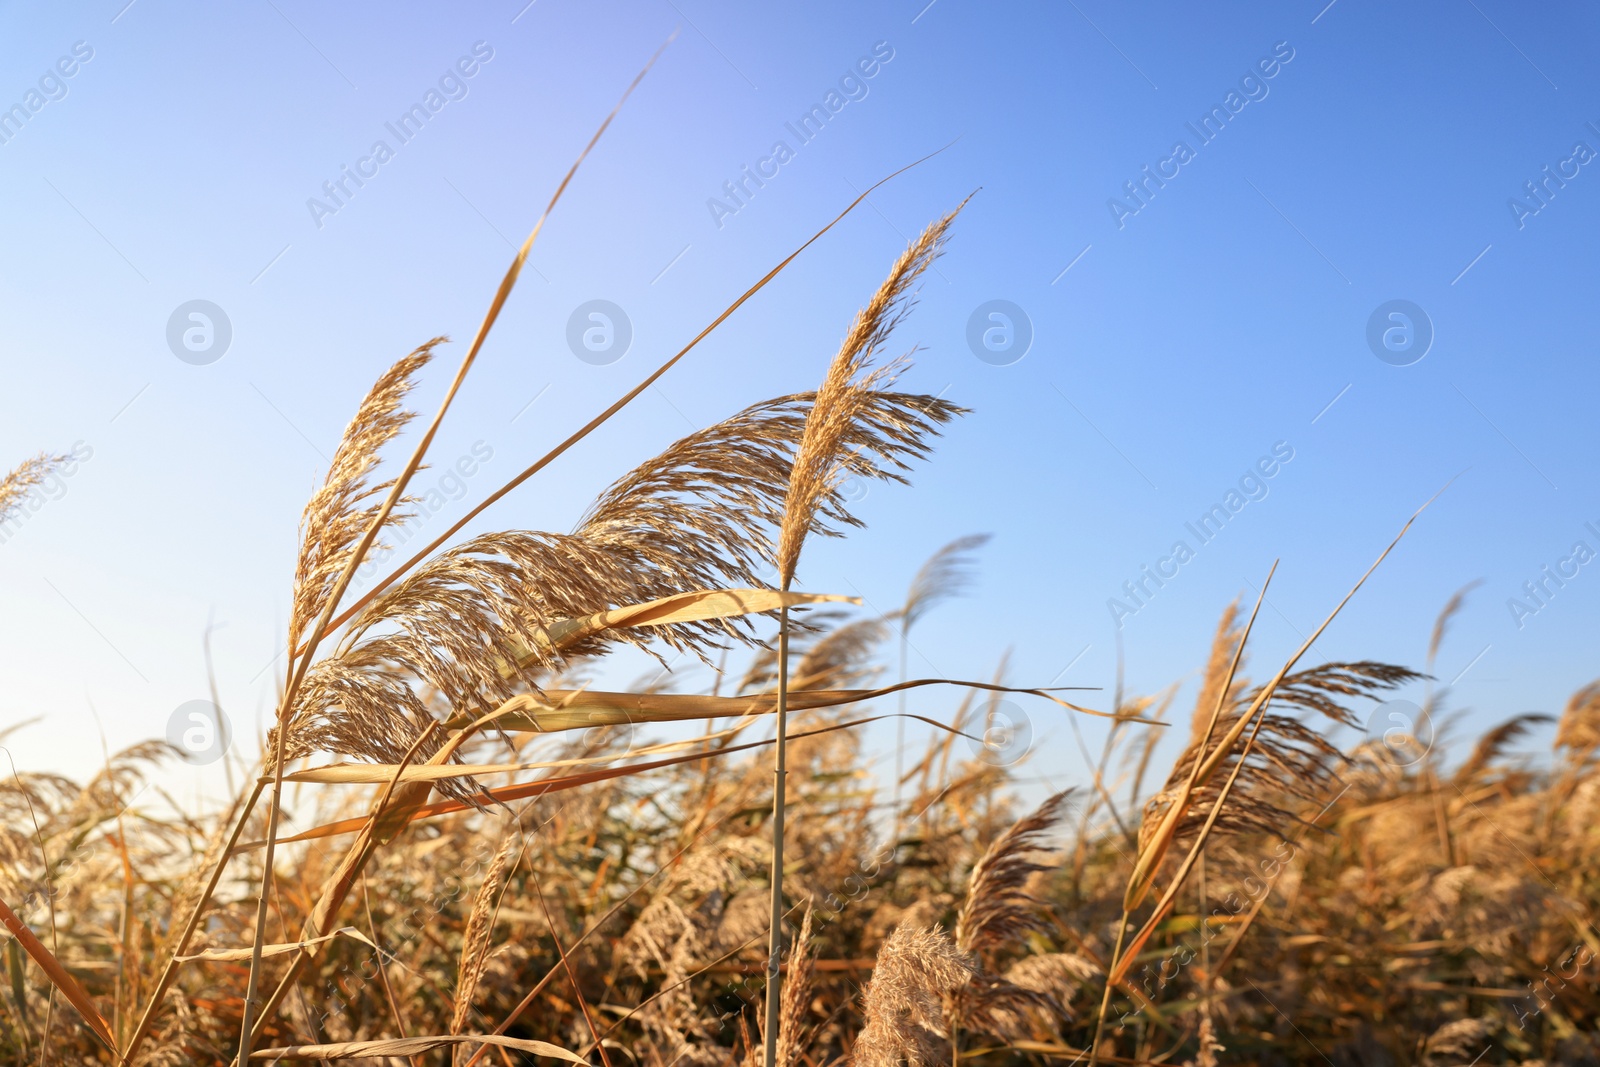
[{"x": 486, "y": 859}]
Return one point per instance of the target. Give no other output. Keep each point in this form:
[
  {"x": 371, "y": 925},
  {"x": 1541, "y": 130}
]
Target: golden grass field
[{"x": 486, "y": 859}]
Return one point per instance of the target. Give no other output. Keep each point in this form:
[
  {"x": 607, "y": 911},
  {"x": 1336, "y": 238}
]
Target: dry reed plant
[{"x": 498, "y": 862}]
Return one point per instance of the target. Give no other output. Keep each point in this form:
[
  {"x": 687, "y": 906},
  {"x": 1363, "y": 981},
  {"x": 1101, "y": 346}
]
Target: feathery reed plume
[
  {"x": 998, "y": 914},
  {"x": 1218, "y": 673},
  {"x": 473, "y": 625},
  {"x": 341, "y": 510},
  {"x": 902, "y": 1010},
  {"x": 1493, "y": 744},
  {"x": 1288, "y": 760},
  {"x": 16, "y": 485},
  {"x": 845, "y": 396},
  {"x": 946, "y": 573},
  {"x": 842, "y": 657},
  {"x": 796, "y": 996},
  {"x": 821, "y": 458},
  {"x": 475, "y": 936},
  {"x": 1452, "y": 606},
  {"x": 998, "y": 910},
  {"x": 1579, "y": 729}
]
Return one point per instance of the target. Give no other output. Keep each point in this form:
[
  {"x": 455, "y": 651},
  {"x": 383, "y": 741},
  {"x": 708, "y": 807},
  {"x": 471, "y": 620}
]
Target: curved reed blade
[
  {"x": 696, "y": 606},
  {"x": 543, "y": 786},
  {"x": 411, "y": 1046},
  {"x": 59, "y": 976}
]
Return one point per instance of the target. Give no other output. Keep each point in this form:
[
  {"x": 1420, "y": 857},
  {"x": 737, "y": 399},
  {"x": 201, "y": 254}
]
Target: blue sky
[{"x": 1172, "y": 347}]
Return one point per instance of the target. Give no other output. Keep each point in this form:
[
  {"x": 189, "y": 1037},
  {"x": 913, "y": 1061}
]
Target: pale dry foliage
[{"x": 610, "y": 899}]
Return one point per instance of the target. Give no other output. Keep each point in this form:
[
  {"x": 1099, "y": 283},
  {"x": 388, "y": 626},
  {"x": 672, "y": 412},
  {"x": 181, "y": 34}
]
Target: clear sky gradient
[{"x": 1190, "y": 313}]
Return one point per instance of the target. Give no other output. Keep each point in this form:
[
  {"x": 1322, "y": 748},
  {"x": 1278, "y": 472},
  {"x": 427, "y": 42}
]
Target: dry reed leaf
[
  {"x": 698, "y": 606},
  {"x": 411, "y": 812},
  {"x": 411, "y": 1046},
  {"x": 566, "y": 709},
  {"x": 282, "y": 948},
  {"x": 59, "y": 976}
]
